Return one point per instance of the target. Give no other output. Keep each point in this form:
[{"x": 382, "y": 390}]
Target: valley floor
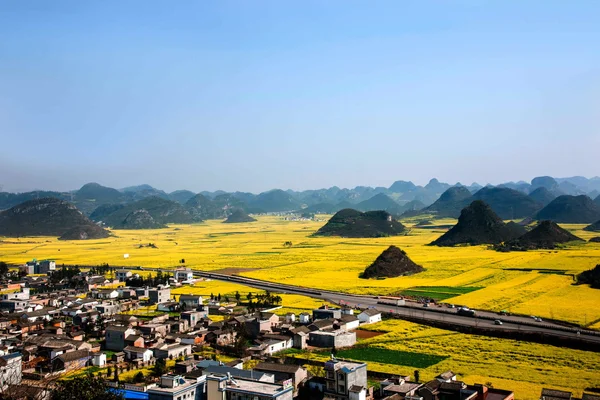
[{"x": 533, "y": 283}]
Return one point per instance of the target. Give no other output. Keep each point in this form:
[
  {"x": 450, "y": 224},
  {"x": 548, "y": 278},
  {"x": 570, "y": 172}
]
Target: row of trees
[{"x": 160, "y": 279}]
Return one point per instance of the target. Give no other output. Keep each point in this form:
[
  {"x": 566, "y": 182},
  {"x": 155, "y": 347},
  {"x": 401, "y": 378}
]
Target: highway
[{"x": 416, "y": 312}]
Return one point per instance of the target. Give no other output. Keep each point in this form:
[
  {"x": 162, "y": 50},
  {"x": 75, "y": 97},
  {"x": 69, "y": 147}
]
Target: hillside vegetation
[
  {"x": 478, "y": 224},
  {"x": 355, "y": 224},
  {"x": 48, "y": 217},
  {"x": 393, "y": 262}
]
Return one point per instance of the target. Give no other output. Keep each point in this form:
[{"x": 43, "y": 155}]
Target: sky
[{"x": 255, "y": 95}]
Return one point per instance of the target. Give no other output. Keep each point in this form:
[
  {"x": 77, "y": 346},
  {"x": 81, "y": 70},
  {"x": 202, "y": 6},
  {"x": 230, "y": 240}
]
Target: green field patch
[
  {"x": 438, "y": 292},
  {"x": 267, "y": 252},
  {"x": 539, "y": 270},
  {"x": 393, "y": 357}
]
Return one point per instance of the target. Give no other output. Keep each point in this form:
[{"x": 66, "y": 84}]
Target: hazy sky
[{"x": 253, "y": 95}]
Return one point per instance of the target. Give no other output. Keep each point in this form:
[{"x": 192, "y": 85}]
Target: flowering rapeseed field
[{"x": 533, "y": 282}]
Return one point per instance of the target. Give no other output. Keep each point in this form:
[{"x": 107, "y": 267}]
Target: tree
[
  {"x": 116, "y": 377},
  {"x": 250, "y": 296},
  {"x": 160, "y": 368},
  {"x": 109, "y": 371},
  {"x": 3, "y": 268},
  {"x": 139, "y": 377},
  {"x": 237, "y": 296},
  {"x": 87, "y": 387},
  {"x": 417, "y": 375}
]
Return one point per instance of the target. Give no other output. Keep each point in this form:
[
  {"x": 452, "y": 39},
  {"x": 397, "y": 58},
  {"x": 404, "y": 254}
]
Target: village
[{"x": 60, "y": 322}]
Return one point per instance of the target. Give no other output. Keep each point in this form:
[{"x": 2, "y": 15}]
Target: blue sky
[{"x": 253, "y": 95}]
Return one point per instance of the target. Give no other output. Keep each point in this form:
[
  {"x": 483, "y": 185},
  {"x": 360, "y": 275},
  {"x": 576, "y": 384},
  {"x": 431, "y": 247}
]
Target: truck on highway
[{"x": 394, "y": 301}]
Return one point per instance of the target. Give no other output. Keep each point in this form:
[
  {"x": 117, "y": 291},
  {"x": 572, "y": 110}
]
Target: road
[{"x": 416, "y": 311}]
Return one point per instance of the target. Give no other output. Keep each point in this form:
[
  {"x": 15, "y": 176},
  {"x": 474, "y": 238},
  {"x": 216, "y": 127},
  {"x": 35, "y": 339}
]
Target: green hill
[
  {"x": 238, "y": 216},
  {"x": 543, "y": 196},
  {"x": 508, "y": 203},
  {"x": 450, "y": 203},
  {"x": 571, "y": 210},
  {"x": 477, "y": 224},
  {"x": 181, "y": 196},
  {"x": 391, "y": 263},
  {"x": 595, "y": 227},
  {"x": 99, "y": 194},
  {"x": 355, "y": 224},
  {"x": 46, "y": 217},
  {"x": 149, "y": 212},
  {"x": 275, "y": 201},
  {"x": 380, "y": 202},
  {"x": 546, "y": 235}
]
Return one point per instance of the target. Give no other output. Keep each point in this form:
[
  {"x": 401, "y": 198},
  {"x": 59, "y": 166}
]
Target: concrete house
[
  {"x": 326, "y": 312},
  {"x": 194, "y": 317},
  {"x": 172, "y": 350},
  {"x": 71, "y": 360},
  {"x": 369, "y": 316},
  {"x": 189, "y": 301},
  {"x": 345, "y": 379},
  {"x": 348, "y": 322},
  {"x": 176, "y": 387},
  {"x": 99, "y": 359},
  {"x": 10, "y": 369},
  {"x": 328, "y": 339},
  {"x": 184, "y": 274},
  {"x": 106, "y": 294},
  {"x": 283, "y": 372},
  {"x": 223, "y": 387},
  {"x": 115, "y": 337},
  {"x": 304, "y": 318},
  {"x": 123, "y": 274},
  {"x": 159, "y": 295},
  {"x": 138, "y": 353}
]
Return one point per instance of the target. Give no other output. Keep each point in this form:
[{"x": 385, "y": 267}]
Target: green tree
[
  {"x": 87, "y": 387},
  {"x": 3, "y": 268},
  {"x": 417, "y": 375},
  {"x": 139, "y": 377},
  {"x": 237, "y": 296},
  {"x": 160, "y": 368}
]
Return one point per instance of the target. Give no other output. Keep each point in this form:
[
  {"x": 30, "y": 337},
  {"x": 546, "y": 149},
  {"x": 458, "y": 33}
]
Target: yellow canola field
[
  {"x": 257, "y": 250},
  {"x": 523, "y": 367}
]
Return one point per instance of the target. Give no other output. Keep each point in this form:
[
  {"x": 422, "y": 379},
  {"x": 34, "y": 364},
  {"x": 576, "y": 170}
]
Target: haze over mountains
[{"x": 565, "y": 200}]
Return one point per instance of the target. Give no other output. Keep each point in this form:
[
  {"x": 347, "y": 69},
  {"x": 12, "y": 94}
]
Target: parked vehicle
[{"x": 497, "y": 322}]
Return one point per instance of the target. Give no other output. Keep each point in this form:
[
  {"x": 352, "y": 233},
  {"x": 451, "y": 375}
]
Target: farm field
[
  {"x": 534, "y": 282},
  {"x": 537, "y": 282},
  {"x": 524, "y": 367}
]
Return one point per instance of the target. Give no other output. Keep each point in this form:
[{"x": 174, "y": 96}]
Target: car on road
[{"x": 497, "y": 322}]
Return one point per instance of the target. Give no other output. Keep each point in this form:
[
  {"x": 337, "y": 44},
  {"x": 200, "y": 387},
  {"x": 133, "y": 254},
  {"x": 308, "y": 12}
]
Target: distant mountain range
[{"x": 154, "y": 207}]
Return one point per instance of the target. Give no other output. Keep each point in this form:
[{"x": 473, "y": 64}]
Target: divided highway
[{"x": 416, "y": 311}]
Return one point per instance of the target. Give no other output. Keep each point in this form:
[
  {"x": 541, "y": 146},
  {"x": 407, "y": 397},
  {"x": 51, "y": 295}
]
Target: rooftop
[
  {"x": 251, "y": 387},
  {"x": 345, "y": 366}
]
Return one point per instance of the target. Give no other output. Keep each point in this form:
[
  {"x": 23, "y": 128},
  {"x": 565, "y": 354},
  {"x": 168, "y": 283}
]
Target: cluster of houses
[{"x": 44, "y": 334}]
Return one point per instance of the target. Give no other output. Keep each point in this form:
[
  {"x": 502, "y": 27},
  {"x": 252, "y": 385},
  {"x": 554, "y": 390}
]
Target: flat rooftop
[{"x": 254, "y": 387}]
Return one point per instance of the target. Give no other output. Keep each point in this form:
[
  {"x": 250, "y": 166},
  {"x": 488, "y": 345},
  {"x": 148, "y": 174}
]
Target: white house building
[
  {"x": 138, "y": 353},
  {"x": 184, "y": 274},
  {"x": 369, "y": 316},
  {"x": 99, "y": 359}
]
